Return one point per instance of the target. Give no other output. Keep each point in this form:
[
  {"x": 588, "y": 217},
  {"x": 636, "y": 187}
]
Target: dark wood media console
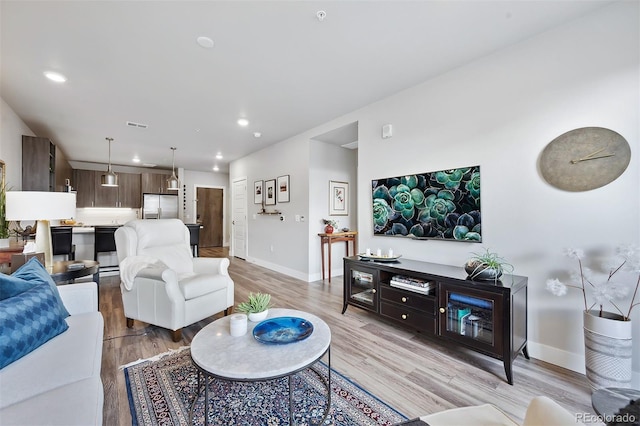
[{"x": 439, "y": 300}]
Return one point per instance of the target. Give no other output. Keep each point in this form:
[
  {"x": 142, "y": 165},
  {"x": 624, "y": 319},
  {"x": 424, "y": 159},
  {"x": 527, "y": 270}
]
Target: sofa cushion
[
  {"x": 27, "y": 276},
  {"x": 78, "y": 403},
  {"x": 193, "y": 286},
  {"x": 27, "y": 321},
  {"x": 69, "y": 357}
]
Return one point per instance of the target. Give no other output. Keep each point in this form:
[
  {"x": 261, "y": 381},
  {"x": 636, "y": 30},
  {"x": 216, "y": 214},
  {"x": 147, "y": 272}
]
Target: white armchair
[{"x": 162, "y": 283}]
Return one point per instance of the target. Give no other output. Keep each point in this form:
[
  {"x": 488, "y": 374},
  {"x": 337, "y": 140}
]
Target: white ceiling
[{"x": 273, "y": 62}]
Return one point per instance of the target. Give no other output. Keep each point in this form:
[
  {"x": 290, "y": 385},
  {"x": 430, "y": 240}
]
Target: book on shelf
[{"x": 409, "y": 283}]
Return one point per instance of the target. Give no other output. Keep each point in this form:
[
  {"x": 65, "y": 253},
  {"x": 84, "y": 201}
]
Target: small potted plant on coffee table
[{"x": 257, "y": 307}]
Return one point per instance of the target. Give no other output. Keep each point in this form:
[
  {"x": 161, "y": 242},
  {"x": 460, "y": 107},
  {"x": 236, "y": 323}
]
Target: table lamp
[{"x": 41, "y": 207}]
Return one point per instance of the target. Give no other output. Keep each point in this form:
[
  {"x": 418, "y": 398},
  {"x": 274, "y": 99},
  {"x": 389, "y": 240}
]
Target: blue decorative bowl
[{"x": 282, "y": 330}]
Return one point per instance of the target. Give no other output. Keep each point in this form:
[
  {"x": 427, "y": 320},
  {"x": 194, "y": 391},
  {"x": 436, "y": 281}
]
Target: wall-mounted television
[{"x": 441, "y": 205}]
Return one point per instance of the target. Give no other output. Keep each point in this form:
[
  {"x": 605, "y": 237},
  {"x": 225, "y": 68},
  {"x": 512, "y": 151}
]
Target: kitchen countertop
[{"x": 87, "y": 229}]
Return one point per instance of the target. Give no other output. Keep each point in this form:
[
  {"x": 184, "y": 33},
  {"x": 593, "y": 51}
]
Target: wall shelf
[{"x": 275, "y": 212}]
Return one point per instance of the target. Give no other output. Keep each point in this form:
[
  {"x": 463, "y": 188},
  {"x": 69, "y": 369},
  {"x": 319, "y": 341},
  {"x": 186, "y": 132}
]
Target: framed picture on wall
[
  {"x": 338, "y": 198},
  {"x": 257, "y": 192},
  {"x": 283, "y": 189},
  {"x": 270, "y": 192}
]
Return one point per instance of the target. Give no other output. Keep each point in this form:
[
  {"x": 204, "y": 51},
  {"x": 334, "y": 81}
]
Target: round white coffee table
[{"x": 217, "y": 354}]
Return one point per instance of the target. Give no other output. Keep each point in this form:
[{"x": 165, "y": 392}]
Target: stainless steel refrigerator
[{"x": 159, "y": 206}]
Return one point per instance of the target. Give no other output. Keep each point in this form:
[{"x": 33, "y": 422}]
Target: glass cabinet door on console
[
  {"x": 472, "y": 317},
  {"x": 362, "y": 289}
]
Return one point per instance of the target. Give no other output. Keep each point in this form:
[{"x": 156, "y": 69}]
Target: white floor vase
[{"x": 608, "y": 347}]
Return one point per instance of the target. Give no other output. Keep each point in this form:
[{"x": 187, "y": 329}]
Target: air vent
[{"x": 140, "y": 125}]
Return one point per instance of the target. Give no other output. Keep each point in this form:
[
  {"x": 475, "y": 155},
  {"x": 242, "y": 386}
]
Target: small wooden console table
[{"x": 335, "y": 237}]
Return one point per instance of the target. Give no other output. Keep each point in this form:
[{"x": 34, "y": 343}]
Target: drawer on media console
[
  {"x": 410, "y": 317},
  {"x": 426, "y": 304}
]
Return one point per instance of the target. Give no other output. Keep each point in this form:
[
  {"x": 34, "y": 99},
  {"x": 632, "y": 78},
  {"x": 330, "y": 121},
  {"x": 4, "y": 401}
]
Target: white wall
[
  {"x": 329, "y": 162},
  {"x": 275, "y": 244},
  {"x": 11, "y": 130}
]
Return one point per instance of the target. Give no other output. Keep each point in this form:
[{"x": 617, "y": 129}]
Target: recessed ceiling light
[
  {"x": 55, "y": 76},
  {"x": 257, "y": 134},
  {"x": 136, "y": 160},
  {"x": 149, "y": 165},
  {"x": 216, "y": 168},
  {"x": 243, "y": 122},
  {"x": 205, "y": 42},
  {"x": 219, "y": 156}
]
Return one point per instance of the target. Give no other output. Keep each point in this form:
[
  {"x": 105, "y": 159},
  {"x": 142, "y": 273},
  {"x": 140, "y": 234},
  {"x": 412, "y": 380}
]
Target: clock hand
[
  {"x": 591, "y": 158},
  {"x": 594, "y": 153}
]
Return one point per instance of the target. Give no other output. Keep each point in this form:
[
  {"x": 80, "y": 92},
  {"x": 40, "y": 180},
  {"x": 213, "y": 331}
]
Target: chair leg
[
  {"x": 129, "y": 323},
  {"x": 176, "y": 335},
  {"x": 228, "y": 311}
]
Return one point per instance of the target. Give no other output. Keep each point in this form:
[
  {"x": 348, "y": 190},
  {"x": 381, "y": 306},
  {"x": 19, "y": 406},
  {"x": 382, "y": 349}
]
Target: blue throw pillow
[
  {"x": 27, "y": 276},
  {"x": 27, "y": 321}
]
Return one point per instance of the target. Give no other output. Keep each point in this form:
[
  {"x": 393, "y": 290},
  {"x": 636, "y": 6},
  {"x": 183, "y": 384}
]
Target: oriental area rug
[{"x": 162, "y": 389}]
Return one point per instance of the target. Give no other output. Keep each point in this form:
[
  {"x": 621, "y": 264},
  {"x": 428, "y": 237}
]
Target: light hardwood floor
[{"x": 414, "y": 374}]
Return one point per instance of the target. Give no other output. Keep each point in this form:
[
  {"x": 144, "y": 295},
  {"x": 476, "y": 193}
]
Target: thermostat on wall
[{"x": 387, "y": 131}]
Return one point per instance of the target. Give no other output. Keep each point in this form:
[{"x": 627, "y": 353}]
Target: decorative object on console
[
  {"x": 329, "y": 225},
  {"x": 443, "y": 205},
  {"x": 270, "y": 192},
  {"x": 283, "y": 189},
  {"x": 109, "y": 178},
  {"x": 338, "y": 198},
  {"x": 486, "y": 266},
  {"x": 607, "y": 335},
  {"x": 41, "y": 206},
  {"x": 584, "y": 159},
  {"x": 256, "y": 307}
]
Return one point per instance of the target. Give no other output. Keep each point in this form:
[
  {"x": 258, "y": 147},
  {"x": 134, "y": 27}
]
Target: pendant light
[
  {"x": 173, "y": 184},
  {"x": 110, "y": 178}
]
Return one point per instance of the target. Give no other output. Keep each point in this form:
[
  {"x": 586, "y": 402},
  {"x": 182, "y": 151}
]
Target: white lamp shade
[{"x": 39, "y": 205}]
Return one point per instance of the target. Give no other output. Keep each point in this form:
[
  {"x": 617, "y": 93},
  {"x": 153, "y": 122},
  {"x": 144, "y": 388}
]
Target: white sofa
[{"x": 59, "y": 382}]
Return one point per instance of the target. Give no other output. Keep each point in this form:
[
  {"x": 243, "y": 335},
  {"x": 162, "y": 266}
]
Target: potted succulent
[
  {"x": 257, "y": 307},
  {"x": 330, "y": 225},
  {"x": 486, "y": 266}
]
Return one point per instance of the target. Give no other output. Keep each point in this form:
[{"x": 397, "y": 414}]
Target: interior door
[
  {"x": 209, "y": 214},
  {"x": 239, "y": 223}
]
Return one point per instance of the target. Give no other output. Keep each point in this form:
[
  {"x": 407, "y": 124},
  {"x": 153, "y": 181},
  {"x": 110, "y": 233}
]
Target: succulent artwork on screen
[{"x": 443, "y": 205}]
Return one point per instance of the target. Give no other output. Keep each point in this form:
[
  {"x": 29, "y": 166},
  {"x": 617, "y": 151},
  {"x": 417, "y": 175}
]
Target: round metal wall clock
[{"x": 585, "y": 159}]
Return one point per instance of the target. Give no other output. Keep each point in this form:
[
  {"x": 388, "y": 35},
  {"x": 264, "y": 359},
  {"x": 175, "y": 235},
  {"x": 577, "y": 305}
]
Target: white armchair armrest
[
  {"x": 79, "y": 298},
  {"x": 204, "y": 265}
]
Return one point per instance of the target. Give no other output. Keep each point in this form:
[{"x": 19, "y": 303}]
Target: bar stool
[
  {"x": 62, "y": 241},
  {"x": 104, "y": 243},
  {"x": 194, "y": 232}
]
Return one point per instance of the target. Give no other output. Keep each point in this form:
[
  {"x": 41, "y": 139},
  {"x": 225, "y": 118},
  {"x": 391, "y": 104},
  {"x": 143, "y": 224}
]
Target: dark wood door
[{"x": 209, "y": 215}]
